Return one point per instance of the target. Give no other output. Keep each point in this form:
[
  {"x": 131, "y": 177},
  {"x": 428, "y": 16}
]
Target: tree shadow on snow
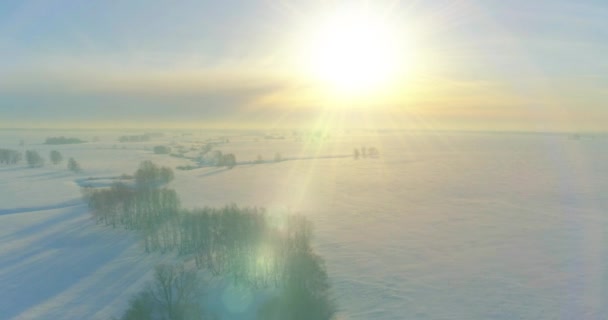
[
  {"x": 65, "y": 204},
  {"x": 52, "y": 263}
]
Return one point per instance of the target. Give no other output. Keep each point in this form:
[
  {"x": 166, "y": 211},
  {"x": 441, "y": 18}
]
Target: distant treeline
[
  {"x": 35, "y": 160},
  {"x": 135, "y": 138},
  {"x": 162, "y": 150},
  {"x": 62, "y": 140},
  {"x": 243, "y": 244},
  {"x": 365, "y": 152}
]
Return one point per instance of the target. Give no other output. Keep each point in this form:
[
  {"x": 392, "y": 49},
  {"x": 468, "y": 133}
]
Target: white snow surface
[{"x": 442, "y": 225}]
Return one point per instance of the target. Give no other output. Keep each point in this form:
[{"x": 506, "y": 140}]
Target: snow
[{"x": 442, "y": 225}]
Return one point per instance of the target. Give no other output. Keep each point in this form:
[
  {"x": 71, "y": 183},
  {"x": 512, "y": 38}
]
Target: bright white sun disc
[{"x": 355, "y": 51}]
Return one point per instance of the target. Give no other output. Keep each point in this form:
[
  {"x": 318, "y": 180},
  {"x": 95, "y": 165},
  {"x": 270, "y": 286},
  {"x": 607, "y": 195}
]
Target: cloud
[
  {"x": 80, "y": 92},
  {"x": 131, "y": 95}
]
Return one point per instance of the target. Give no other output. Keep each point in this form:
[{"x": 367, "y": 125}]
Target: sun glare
[{"x": 355, "y": 51}]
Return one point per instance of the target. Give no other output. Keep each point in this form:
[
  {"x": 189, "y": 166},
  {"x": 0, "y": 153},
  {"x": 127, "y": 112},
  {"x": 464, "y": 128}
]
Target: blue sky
[{"x": 523, "y": 65}]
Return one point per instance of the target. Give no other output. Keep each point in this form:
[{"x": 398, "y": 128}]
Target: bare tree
[
  {"x": 141, "y": 307},
  {"x": 175, "y": 290},
  {"x": 162, "y": 150}
]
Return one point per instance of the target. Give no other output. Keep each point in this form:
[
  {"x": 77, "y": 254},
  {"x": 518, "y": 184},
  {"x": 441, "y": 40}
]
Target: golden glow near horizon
[{"x": 356, "y": 52}]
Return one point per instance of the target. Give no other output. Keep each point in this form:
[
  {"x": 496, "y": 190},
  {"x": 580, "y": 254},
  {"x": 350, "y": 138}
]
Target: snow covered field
[{"x": 440, "y": 226}]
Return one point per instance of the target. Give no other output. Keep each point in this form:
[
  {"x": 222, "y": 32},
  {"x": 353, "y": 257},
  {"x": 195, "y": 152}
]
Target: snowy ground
[{"x": 441, "y": 226}]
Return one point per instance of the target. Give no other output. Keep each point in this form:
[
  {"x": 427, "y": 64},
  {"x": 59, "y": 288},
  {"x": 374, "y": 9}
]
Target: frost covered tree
[
  {"x": 33, "y": 159},
  {"x": 149, "y": 175},
  {"x": 166, "y": 174},
  {"x": 175, "y": 291},
  {"x": 172, "y": 295},
  {"x": 55, "y": 157},
  {"x": 229, "y": 160},
  {"x": 217, "y": 158},
  {"x": 304, "y": 293},
  {"x": 8, "y": 156},
  {"x": 141, "y": 307},
  {"x": 74, "y": 166}
]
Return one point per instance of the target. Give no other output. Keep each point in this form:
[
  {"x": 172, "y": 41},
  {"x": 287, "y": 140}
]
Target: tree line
[
  {"x": 34, "y": 160},
  {"x": 365, "y": 152},
  {"x": 62, "y": 140},
  {"x": 10, "y": 157},
  {"x": 243, "y": 244},
  {"x": 135, "y": 138}
]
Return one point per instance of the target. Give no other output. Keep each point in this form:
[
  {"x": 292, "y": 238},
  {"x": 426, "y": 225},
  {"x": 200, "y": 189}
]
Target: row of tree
[
  {"x": 135, "y": 209},
  {"x": 135, "y": 138},
  {"x": 9, "y": 156},
  {"x": 175, "y": 292},
  {"x": 243, "y": 244},
  {"x": 35, "y": 160},
  {"x": 277, "y": 158},
  {"x": 62, "y": 140},
  {"x": 365, "y": 152},
  {"x": 219, "y": 159}
]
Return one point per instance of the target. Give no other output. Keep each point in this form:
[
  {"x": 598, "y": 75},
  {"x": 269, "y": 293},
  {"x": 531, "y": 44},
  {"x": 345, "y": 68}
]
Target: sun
[{"x": 355, "y": 51}]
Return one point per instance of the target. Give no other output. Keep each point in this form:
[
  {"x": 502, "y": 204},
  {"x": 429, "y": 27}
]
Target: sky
[{"x": 473, "y": 65}]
